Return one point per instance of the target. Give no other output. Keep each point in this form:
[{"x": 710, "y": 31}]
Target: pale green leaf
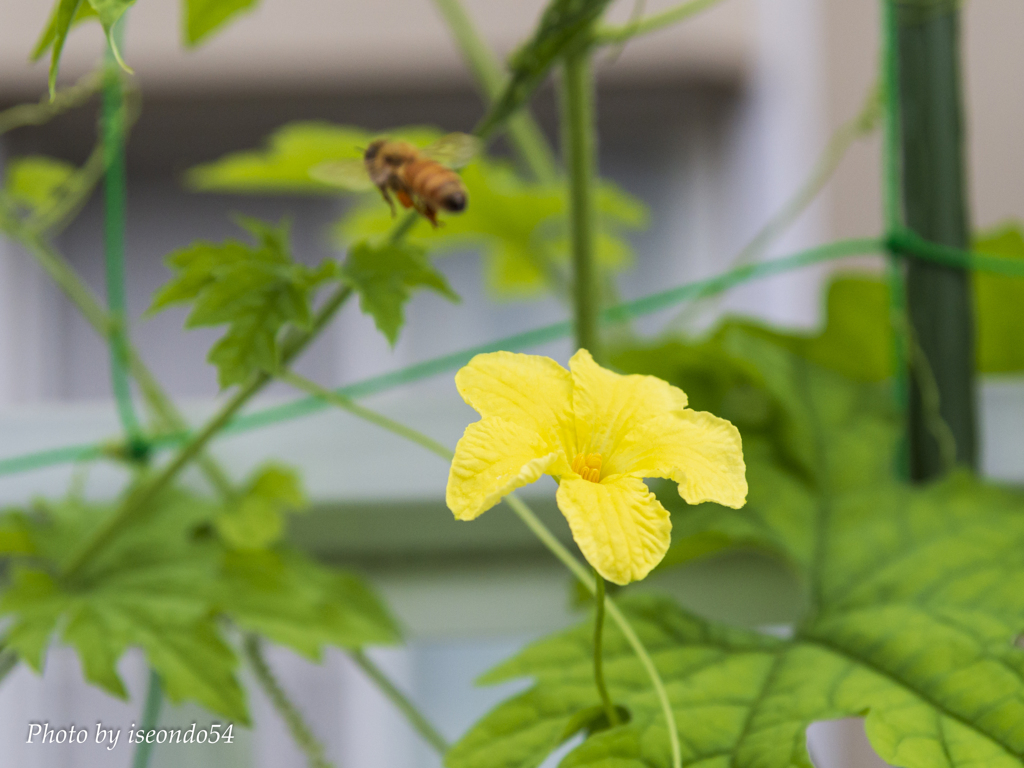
[
  {"x": 203, "y": 17},
  {"x": 999, "y": 300},
  {"x": 49, "y": 35},
  {"x": 292, "y": 152},
  {"x": 256, "y": 520},
  {"x": 520, "y": 228},
  {"x": 35, "y": 182},
  {"x": 295, "y": 602},
  {"x": 385, "y": 276},
  {"x": 66, "y": 13}
]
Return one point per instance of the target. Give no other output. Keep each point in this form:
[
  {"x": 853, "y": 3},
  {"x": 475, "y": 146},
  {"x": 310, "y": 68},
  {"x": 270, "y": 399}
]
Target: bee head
[
  {"x": 371, "y": 151},
  {"x": 455, "y": 201}
]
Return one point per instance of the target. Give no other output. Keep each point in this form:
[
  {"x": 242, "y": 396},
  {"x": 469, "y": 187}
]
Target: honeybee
[{"x": 420, "y": 178}]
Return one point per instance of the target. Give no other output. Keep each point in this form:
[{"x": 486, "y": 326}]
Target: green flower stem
[
  {"x": 38, "y": 114},
  {"x": 115, "y": 198},
  {"x": 577, "y": 98},
  {"x": 401, "y": 701},
  {"x": 549, "y": 540},
  {"x": 294, "y": 343},
  {"x": 347, "y": 404},
  {"x": 617, "y": 35},
  {"x": 150, "y": 715},
  {"x": 525, "y": 134},
  {"x": 300, "y": 731},
  {"x": 599, "y": 599},
  {"x": 587, "y": 580}
]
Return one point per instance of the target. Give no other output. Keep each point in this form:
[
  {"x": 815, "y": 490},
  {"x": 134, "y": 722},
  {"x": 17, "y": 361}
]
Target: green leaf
[
  {"x": 203, "y": 17},
  {"x": 385, "y": 275},
  {"x": 520, "y": 227},
  {"x": 256, "y": 520},
  {"x": 36, "y": 182},
  {"x": 920, "y": 595},
  {"x": 292, "y": 152},
  {"x": 256, "y": 291},
  {"x": 915, "y": 601},
  {"x": 564, "y": 25},
  {"x": 295, "y": 602},
  {"x": 49, "y": 35},
  {"x": 154, "y": 587},
  {"x": 110, "y": 12},
  {"x": 66, "y": 13}
]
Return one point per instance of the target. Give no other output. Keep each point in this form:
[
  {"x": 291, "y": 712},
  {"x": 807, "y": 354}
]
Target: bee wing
[
  {"x": 349, "y": 174},
  {"x": 454, "y": 150}
]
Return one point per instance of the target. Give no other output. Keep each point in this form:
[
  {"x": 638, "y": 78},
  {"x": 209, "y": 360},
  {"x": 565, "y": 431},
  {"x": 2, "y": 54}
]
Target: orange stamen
[{"x": 588, "y": 466}]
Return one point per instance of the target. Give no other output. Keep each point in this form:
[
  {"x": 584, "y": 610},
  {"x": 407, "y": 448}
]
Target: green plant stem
[
  {"x": 578, "y": 139},
  {"x": 401, "y": 701},
  {"x": 549, "y": 540},
  {"x": 75, "y": 194},
  {"x": 934, "y": 194},
  {"x": 586, "y": 579},
  {"x": 150, "y": 716},
  {"x": 115, "y": 199},
  {"x": 523, "y": 131},
  {"x": 82, "y": 296},
  {"x": 38, "y": 114},
  {"x": 599, "y": 598},
  {"x": 839, "y": 144},
  {"x": 300, "y": 731},
  {"x": 347, "y": 404},
  {"x": 616, "y": 35},
  {"x": 293, "y": 344}
]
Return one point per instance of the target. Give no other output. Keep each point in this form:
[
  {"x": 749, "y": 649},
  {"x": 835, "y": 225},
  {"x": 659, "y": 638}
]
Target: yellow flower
[{"x": 600, "y": 434}]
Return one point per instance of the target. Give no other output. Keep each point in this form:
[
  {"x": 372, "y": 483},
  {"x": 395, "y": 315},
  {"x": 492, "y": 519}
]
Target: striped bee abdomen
[{"x": 436, "y": 185}]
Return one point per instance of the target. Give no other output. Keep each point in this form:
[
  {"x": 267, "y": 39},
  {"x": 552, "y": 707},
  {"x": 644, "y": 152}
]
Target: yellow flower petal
[
  {"x": 532, "y": 391},
  {"x": 618, "y": 524},
  {"x": 492, "y": 459},
  {"x": 698, "y": 450},
  {"x": 608, "y": 406}
]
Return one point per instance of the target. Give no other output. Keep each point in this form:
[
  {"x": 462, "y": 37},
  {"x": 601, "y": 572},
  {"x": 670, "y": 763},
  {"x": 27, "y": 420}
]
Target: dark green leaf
[
  {"x": 564, "y": 25},
  {"x": 203, "y": 17},
  {"x": 256, "y": 291},
  {"x": 385, "y": 275}
]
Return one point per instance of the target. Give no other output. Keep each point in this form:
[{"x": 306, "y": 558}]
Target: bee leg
[
  {"x": 388, "y": 200},
  {"x": 431, "y": 213},
  {"x": 404, "y": 198}
]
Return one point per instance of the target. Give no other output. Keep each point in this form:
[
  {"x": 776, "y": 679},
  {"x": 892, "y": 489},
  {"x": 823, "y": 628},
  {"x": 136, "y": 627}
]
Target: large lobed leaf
[
  {"x": 166, "y": 584},
  {"x": 255, "y": 290},
  {"x": 915, "y": 598}
]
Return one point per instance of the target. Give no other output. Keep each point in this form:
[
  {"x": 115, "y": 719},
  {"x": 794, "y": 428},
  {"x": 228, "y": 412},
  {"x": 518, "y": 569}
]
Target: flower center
[{"x": 588, "y": 466}]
